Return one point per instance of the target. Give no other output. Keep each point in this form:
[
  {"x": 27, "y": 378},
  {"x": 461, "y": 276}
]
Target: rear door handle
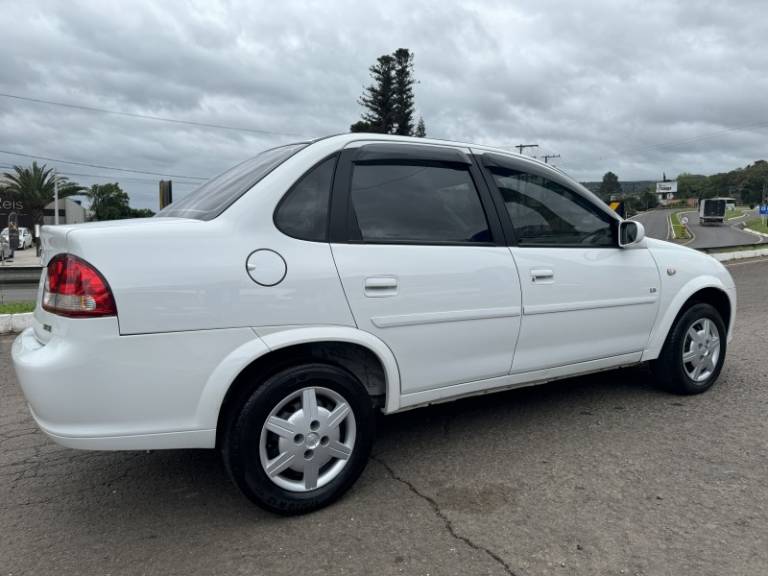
[
  {"x": 542, "y": 275},
  {"x": 380, "y": 286}
]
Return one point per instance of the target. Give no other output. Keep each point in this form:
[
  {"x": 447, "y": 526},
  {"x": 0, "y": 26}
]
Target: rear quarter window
[{"x": 217, "y": 194}]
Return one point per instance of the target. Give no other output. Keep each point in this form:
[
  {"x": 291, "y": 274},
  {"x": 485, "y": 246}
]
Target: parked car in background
[
  {"x": 25, "y": 238},
  {"x": 5, "y": 248},
  {"x": 293, "y": 296},
  {"x": 712, "y": 210}
]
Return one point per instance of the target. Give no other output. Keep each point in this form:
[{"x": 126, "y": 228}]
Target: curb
[
  {"x": 763, "y": 234},
  {"x": 739, "y": 254},
  {"x": 13, "y": 323}
]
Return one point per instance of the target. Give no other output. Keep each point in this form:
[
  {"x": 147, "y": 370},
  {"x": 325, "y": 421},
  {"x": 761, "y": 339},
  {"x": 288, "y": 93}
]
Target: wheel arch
[
  {"x": 355, "y": 350},
  {"x": 709, "y": 290}
]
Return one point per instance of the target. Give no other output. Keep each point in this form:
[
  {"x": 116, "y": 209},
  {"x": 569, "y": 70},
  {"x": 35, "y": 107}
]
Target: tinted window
[
  {"x": 213, "y": 197},
  {"x": 544, "y": 212},
  {"x": 303, "y": 212},
  {"x": 416, "y": 203}
]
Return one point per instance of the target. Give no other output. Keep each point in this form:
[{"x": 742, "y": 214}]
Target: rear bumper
[{"x": 94, "y": 389}]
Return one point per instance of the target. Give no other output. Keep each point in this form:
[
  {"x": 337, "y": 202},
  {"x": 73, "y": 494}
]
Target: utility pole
[
  {"x": 548, "y": 156},
  {"x": 520, "y": 147},
  {"x": 166, "y": 193},
  {"x": 55, "y": 199}
]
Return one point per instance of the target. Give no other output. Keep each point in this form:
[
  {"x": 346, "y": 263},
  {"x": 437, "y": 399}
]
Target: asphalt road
[
  {"x": 709, "y": 236},
  {"x": 713, "y": 235},
  {"x": 590, "y": 476},
  {"x": 655, "y": 223}
]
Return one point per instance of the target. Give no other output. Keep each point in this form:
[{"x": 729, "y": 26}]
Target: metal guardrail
[{"x": 20, "y": 275}]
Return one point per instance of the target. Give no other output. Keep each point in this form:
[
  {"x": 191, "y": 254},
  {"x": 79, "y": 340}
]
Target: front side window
[
  {"x": 428, "y": 203},
  {"x": 215, "y": 196},
  {"x": 546, "y": 213}
]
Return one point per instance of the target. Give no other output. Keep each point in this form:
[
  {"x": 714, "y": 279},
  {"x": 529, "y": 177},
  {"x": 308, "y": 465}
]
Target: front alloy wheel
[
  {"x": 693, "y": 354},
  {"x": 701, "y": 350}
]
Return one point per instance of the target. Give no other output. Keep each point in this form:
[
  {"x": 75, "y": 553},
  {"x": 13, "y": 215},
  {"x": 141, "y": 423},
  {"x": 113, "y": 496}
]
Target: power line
[
  {"x": 103, "y": 167},
  {"x": 151, "y": 117},
  {"x": 548, "y": 156},
  {"x": 110, "y": 177}
]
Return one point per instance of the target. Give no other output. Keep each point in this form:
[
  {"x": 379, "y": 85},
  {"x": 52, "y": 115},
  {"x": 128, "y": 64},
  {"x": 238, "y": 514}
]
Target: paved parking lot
[{"x": 596, "y": 475}]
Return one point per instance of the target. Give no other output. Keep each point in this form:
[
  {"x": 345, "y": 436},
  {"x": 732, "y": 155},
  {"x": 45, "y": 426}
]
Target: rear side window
[
  {"x": 303, "y": 212},
  {"x": 215, "y": 196},
  {"x": 545, "y": 213},
  {"x": 416, "y": 203}
]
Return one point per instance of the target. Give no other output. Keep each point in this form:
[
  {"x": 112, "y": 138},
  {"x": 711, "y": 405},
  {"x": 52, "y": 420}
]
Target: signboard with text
[
  {"x": 10, "y": 206},
  {"x": 666, "y": 187}
]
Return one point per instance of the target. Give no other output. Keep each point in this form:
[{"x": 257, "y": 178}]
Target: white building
[{"x": 70, "y": 212}]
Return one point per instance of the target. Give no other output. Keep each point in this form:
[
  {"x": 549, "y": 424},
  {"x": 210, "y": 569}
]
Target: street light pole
[{"x": 55, "y": 200}]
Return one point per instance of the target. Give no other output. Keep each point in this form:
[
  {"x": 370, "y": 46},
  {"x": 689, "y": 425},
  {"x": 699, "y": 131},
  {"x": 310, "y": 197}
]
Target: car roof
[{"x": 349, "y": 138}]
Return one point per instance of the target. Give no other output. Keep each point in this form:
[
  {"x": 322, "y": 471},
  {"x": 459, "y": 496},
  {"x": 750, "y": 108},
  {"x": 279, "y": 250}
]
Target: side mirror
[{"x": 631, "y": 233}]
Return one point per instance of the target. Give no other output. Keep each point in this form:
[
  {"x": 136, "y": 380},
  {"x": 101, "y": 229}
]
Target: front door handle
[
  {"x": 542, "y": 275},
  {"x": 380, "y": 286}
]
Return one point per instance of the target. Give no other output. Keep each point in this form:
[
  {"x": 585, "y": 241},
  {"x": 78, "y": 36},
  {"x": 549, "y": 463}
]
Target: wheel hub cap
[
  {"x": 313, "y": 441},
  {"x": 701, "y": 350},
  {"x": 307, "y": 439}
]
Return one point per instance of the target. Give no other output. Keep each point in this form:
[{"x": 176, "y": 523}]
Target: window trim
[
  {"x": 398, "y": 153},
  {"x": 330, "y": 199},
  {"x": 490, "y": 160}
]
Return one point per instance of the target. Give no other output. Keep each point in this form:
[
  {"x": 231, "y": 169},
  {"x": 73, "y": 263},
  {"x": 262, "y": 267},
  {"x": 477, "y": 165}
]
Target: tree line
[
  {"x": 747, "y": 183},
  {"x": 34, "y": 186}
]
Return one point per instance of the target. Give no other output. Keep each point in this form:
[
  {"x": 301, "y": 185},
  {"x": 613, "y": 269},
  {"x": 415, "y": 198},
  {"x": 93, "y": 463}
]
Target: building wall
[{"x": 70, "y": 212}]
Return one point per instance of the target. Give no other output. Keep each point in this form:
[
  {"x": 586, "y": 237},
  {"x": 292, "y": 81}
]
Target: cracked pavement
[{"x": 602, "y": 474}]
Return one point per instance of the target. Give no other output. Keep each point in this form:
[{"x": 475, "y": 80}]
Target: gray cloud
[{"x": 634, "y": 87}]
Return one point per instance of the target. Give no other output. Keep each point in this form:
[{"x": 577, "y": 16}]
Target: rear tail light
[{"x": 75, "y": 288}]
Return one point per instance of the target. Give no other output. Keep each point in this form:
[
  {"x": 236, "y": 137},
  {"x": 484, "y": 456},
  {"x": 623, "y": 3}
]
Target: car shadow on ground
[{"x": 135, "y": 486}]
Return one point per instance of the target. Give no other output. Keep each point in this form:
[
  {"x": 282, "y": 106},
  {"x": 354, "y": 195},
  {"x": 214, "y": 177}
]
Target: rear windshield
[{"x": 213, "y": 197}]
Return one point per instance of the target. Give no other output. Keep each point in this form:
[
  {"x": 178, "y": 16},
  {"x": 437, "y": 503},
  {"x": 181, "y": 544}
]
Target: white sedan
[
  {"x": 289, "y": 299},
  {"x": 25, "y": 238}
]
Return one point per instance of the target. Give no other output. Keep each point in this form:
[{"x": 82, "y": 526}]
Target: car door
[
  {"x": 423, "y": 262},
  {"x": 584, "y": 298}
]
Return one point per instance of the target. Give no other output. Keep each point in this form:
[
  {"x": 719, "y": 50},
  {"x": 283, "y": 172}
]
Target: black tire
[
  {"x": 669, "y": 367},
  {"x": 240, "y": 447}
]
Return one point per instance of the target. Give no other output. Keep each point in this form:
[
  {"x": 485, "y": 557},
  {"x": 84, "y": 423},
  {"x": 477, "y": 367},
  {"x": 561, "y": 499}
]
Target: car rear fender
[{"x": 274, "y": 338}]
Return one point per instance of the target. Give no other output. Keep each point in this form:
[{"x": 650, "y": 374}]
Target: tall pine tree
[
  {"x": 404, "y": 82},
  {"x": 379, "y": 99},
  {"x": 389, "y": 100},
  {"x": 421, "y": 130}
]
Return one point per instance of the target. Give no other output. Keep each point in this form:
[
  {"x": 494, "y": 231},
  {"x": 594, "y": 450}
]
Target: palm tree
[{"x": 34, "y": 187}]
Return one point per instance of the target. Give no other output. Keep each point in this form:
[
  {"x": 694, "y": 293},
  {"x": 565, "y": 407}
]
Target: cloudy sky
[{"x": 635, "y": 87}]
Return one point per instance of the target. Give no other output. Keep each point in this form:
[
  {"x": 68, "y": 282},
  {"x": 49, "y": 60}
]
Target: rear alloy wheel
[
  {"x": 301, "y": 439},
  {"x": 307, "y": 439},
  {"x": 694, "y": 352}
]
